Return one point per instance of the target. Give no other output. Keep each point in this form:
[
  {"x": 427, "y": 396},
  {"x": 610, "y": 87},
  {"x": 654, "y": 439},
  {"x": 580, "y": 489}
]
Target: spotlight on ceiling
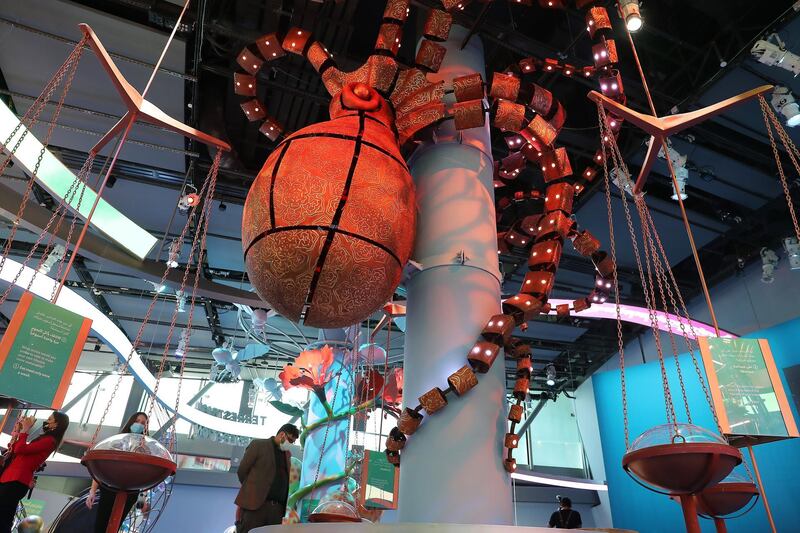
[
  {"x": 157, "y": 287},
  {"x": 681, "y": 176},
  {"x": 681, "y": 173},
  {"x": 622, "y": 180},
  {"x": 181, "y": 304},
  {"x": 187, "y": 201},
  {"x": 792, "y": 247},
  {"x": 56, "y": 254},
  {"x": 629, "y": 10},
  {"x": 769, "y": 260},
  {"x": 772, "y": 51},
  {"x": 550, "y": 371},
  {"x": 174, "y": 254},
  {"x": 784, "y": 103}
]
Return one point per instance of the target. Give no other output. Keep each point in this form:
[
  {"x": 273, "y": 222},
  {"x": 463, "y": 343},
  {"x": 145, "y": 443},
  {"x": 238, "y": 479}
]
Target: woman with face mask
[
  {"x": 137, "y": 423},
  {"x": 24, "y": 459}
]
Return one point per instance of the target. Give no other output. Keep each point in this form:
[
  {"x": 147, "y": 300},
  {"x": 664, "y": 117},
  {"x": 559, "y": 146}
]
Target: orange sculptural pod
[{"x": 329, "y": 221}]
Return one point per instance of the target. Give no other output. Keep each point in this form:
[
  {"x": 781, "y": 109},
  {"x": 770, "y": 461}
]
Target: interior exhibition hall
[{"x": 402, "y": 266}]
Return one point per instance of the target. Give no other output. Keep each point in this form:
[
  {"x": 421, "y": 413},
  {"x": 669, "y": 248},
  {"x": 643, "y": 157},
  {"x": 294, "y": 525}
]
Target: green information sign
[
  {"x": 34, "y": 507},
  {"x": 746, "y": 388},
  {"x": 379, "y": 479},
  {"x": 39, "y": 352}
]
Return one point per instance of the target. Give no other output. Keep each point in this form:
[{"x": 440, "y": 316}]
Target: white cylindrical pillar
[{"x": 452, "y": 468}]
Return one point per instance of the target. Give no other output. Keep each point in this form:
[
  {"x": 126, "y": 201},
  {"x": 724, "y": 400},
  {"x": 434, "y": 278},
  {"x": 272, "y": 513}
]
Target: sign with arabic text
[
  {"x": 747, "y": 391},
  {"x": 39, "y": 352}
]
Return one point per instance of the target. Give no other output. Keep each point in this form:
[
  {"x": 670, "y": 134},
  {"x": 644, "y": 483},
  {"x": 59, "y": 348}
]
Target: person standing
[
  {"x": 566, "y": 517},
  {"x": 264, "y": 475},
  {"x": 137, "y": 423},
  {"x": 24, "y": 459}
]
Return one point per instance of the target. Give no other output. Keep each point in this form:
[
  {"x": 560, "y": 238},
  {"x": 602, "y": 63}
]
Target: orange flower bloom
[
  {"x": 393, "y": 390},
  {"x": 311, "y": 370}
]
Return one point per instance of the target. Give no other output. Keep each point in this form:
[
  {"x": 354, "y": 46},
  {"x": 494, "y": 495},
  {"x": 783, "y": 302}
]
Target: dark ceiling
[{"x": 735, "y": 202}]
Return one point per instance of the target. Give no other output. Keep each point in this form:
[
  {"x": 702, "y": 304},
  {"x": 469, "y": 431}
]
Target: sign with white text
[
  {"x": 380, "y": 481},
  {"x": 747, "y": 391},
  {"x": 39, "y": 352}
]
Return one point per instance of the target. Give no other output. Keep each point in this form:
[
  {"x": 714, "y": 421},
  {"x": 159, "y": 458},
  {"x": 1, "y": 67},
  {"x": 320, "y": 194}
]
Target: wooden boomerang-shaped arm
[
  {"x": 138, "y": 107},
  {"x": 661, "y": 128}
]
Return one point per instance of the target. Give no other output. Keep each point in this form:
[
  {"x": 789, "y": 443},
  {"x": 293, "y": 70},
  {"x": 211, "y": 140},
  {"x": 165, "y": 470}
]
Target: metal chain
[
  {"x": 29, "y": 119},
  {"x": 647, "y": 232},
  {"x": 31, "y": 115},
  {"x": 200, "y": 234},
  {"x": 677, "y": 312},
  {"x": 137, "y": 341},
  {"x": 58, "y": 212},
  {"x": 792, "y": 149},
  {"x": 613, "y": 244},
  {"x": 82, "y": 176},
  {"x": 212, "y": 175},
  {"x": 328, "y": 423},
  {"x": 652, "y": 304},
  {"x": 619, "y": 164}
]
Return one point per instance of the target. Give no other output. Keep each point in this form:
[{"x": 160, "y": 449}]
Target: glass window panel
[{"x": 554, "y": 437}]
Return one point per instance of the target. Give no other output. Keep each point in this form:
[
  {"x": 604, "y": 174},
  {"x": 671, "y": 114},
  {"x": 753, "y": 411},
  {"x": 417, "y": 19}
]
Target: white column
[{"x": 452, "y": 467}]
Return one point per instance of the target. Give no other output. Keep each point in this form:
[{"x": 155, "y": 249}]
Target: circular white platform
[{"x": 405, "y": 528}]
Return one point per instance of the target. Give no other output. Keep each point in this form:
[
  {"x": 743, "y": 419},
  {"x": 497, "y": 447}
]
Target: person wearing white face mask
[
  {"x": 137, "y": 424},
  {"x": 264, "y": 475}
]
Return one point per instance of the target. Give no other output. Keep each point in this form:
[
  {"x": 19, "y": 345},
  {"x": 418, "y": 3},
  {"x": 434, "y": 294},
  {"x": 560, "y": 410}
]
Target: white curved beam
[{"x": 119, "y": 343}]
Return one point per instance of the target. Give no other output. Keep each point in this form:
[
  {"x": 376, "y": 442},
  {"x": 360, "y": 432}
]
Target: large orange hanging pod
[{"x": 329, "y": 221}]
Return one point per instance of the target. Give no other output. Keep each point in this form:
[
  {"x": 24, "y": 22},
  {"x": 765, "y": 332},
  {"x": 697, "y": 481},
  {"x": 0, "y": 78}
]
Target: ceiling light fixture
[
  {"x": 550, "y": 371},
  {"x": 681, "y": 173},
  {"x": 629, "y": 11},
  {"x": 174, "y": 254},
  {"x": 792, "y": 247},
  {"x": 772, "y": 51},
  {"x": 55, "y": 255},
  {"x": 784, "y": 103},
  {"x": 769, "y": 260}
]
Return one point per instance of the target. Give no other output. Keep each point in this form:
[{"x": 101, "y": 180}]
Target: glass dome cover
[
  {"x": 680, "y": 459},
  {"x": 336, "y": 507},
  {"x": 135, "y": 443},
  {"x": 129, "y": 462},
  {"x": 675, "y": 434},
  {"x": 737, "y": 475}
]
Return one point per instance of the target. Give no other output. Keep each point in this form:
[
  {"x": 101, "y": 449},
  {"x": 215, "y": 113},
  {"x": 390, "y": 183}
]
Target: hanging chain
[
  {"x": 619, "y": 164},
  {"x": 685, "y": 315},
  {"x": 59, "y": 211},
  {"x": 647, "y": 232},
  {"x": 200, "y": 234},
  {"x": 29, "y": 119},
  {"x": 790, "y": 147},
  {"x": 82, "y": 176},
  {"x": 137, "y": 341},
  {"x": 328, "y": 423},
  {"x": 212, "y": 175},
  {"x": 612, "y": 241}
]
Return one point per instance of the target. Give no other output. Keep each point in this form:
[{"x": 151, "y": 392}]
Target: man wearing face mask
[{"x": 264, "y": 475}]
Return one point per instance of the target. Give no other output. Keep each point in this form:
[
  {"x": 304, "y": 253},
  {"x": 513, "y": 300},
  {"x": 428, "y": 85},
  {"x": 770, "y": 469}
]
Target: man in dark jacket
[
  {"x": 264, "y": 475},
  {"x": 565, "y": 517}
]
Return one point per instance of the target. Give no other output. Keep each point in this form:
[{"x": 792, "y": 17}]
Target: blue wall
[{"x": 634, "y": 507}]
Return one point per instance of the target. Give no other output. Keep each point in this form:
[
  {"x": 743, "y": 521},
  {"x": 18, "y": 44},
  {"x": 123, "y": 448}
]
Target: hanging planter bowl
[
  {"x": 129, "y": 462},
  {"x": 679, "y": 459},
  {"x": 726, "y": 498},
  {"x": 332, "y": 509}
]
